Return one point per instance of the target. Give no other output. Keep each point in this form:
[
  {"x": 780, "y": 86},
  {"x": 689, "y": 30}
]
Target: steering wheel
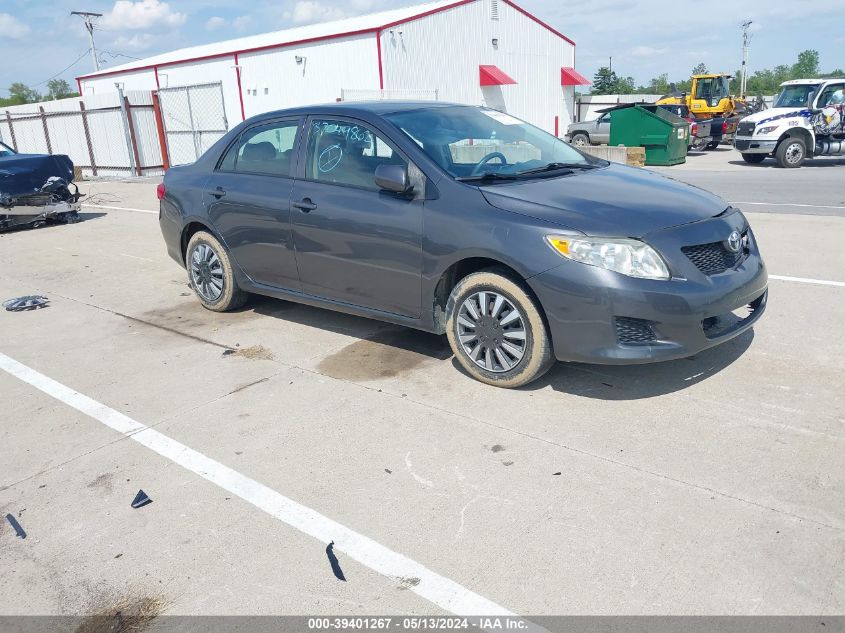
[{"x": 477, "y": 169}]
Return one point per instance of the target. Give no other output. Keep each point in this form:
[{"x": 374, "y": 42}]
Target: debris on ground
[
  {"x": 124, "y": 615},
  {"x": 141, "y": 499},
  {"x": 28, "y": 302},
  {"x": 19, "y": 531},
  {"x": 36, "y": 189},
  {"x": 407, "y": 583},
  {"x": 252, "y": 352},
  {"x": 338, "y": 572}
]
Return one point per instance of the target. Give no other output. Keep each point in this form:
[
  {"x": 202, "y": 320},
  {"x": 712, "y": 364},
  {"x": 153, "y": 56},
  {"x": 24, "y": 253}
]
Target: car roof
[{"x": 353, "y": 108}]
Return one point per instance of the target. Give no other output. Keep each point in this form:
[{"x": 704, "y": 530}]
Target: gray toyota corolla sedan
[{"x": 465, "y": 221}]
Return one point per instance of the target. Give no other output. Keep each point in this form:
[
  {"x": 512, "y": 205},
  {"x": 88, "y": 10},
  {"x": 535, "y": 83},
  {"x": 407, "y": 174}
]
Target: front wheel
[
  {"x": 580, "y": 140},
  {"x": 754, "y": 159},
  {"x": 211, "y": 275},
  {"x": 496, "y": 330},
  {"x": 791, "y": 153}
]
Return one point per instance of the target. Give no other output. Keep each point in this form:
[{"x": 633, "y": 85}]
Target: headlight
[
  {"x": 767, "y": 130},
  {"x": 629, "y": 257}
]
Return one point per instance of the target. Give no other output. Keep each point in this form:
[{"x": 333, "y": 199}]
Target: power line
[{"x": 64, "y": 70}]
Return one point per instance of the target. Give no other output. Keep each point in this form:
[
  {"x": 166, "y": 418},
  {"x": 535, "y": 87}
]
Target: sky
[{"x": 645, "y": 39}]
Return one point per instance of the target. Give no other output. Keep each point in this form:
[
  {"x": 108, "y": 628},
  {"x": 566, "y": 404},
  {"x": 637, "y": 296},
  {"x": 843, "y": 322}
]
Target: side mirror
[{"x": 393, "y": 178}]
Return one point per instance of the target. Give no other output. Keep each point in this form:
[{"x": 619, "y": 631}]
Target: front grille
[
  {"x": 631, "y": 331},
  {"x": 745, "y": 128},
  {"x": 742, "y": 145},
  {"x": 714, "y": 258}
]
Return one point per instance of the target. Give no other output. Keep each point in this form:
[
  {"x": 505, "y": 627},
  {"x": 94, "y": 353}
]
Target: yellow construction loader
[{"x": 709, "y": 97}]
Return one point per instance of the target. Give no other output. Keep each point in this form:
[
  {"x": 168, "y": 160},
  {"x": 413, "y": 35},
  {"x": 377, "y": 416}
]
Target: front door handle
[
  {"x": 218, "y": 193},
  {"x": 305, "y": 205}
]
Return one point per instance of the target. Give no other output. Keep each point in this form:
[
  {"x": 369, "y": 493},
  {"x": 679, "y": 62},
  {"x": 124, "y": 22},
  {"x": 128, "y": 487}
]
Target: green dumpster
[{"x": 664, "y": 135}]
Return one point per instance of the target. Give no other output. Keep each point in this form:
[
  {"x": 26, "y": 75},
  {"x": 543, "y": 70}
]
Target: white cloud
[
  {"x": 141, "y": 15},
  {"x": 242, "y": 22},
  {"x": 12, "y": 28},
  {"x": 306, "y": 11},
  {"x": 215, "y": 22},
  {"x": 138, "y": 42}
]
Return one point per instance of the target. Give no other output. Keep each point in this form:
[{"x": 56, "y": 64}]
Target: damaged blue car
[{"x": 36, "y": 189}]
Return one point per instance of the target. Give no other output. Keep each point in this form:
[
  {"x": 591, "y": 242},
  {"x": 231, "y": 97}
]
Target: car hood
[
  {"x": 615, "y": 201},
  {"x": 24, "y": 174}
]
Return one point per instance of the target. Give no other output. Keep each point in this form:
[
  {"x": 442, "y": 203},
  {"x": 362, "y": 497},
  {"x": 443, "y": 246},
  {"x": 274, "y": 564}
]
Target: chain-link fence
[
  {"x": 104, "y": 135},
  {"x": 194, "y": 119}
]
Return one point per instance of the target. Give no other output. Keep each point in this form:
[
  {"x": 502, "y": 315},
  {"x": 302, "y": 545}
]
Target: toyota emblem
[{"x": 734, "y": 242}]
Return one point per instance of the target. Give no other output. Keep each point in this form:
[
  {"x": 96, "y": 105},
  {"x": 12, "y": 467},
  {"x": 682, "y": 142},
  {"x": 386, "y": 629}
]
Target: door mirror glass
[{"x": 392, "y": 178}]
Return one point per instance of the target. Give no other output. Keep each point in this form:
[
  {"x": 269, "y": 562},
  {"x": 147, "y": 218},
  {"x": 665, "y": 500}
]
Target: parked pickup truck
[
  {"x": 597, "y": 131},
  {"x": 807, "y": 120}
]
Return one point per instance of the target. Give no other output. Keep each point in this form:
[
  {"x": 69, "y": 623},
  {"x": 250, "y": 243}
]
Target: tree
[
  {"x": 59, "y": 89},
  {"x": 658, "y": 85},
  {"x": 21, "y": 93},
  {"x": 604, "y": 82},
  {"x": 700, "y": 69},
  {"x": 625, "y": 86},
  {"x": 807, "y": 65}
]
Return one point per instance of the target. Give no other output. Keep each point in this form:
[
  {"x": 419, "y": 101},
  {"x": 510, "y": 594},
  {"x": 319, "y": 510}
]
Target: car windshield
[
  {"x": 477, "y": 143},
  {"x": 5, "y": 150},
  {"x": 797, "y": 96}
]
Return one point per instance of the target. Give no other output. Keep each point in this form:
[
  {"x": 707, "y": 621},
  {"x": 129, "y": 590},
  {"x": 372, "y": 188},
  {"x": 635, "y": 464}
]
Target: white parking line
[
  {"x": 440, "y": 591},
  {"x": 102, "y": 206},
  {"x": 789, "y": 204},
  {"x": 806, "y": 280}
]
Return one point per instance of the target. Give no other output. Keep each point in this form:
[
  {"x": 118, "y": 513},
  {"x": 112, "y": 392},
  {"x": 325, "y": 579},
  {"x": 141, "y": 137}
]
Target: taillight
[
  {"x": 160, "y": 191},
  {"x": 724, "y": 127},
  {"x": 694, "y": 130}
]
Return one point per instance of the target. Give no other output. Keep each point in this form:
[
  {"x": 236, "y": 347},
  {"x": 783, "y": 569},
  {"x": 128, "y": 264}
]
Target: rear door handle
[
  {"x": 219, "y": 192},
  {"x": 305, "y": 205}
]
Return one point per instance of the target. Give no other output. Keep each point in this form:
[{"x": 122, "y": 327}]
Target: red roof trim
[
  {"x": 571, "y": 77},
  {"x": 494, "y": 76},
  {"x": 255, "y": 49},
  {"x": 538, "y": 21}
]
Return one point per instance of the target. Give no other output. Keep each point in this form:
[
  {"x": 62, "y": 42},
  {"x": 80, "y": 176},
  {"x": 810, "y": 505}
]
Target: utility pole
[
  {"x": 89, "y": 18},
  {"x": 746, "y": 40}
]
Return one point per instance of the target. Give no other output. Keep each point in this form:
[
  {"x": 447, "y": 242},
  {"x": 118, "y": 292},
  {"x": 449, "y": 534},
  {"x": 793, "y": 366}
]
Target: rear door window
[{"x": 266, "y": 149}]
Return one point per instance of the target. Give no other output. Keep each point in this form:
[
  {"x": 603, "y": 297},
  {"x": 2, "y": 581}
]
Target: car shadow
[
  {"x": 635, "y": 382},
  {"x": 383, "y": 350}
]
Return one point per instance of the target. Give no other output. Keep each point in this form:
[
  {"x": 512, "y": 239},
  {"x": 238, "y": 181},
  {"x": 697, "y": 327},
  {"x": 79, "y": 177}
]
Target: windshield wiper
[
  {"x": 490, "y": 175},
  {"x": 556, "y": 167}
]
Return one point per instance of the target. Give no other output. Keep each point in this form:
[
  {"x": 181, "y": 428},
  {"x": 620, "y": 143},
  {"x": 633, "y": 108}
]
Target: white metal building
[{"x": 489, "y": 52}]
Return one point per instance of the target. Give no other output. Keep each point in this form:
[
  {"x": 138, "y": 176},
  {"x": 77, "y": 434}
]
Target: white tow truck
[{"x": 807, "y": 120}]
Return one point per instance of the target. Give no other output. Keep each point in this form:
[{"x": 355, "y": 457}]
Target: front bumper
[
  {"x": 32, "y": 215},
  {"x": 591, "y": 312},
  {"x": 750, "y": 145}
]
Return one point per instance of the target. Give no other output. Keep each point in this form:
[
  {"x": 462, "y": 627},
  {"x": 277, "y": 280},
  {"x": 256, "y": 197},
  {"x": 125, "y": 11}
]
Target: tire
[
  {"x": 754, "y": 159},
  {"x": 712, "y": 145},
  {"x": 527, "y": 334},
  {"x": 791, "y": 153},
  {"x": 210, "y": 274},
  {"x": 580, "y": 140}
]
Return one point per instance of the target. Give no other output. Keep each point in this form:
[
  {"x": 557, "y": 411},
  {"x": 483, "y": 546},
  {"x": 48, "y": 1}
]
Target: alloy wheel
[
  {"x": 207, "y": 272},
  {"x": 491, "y": 331}
]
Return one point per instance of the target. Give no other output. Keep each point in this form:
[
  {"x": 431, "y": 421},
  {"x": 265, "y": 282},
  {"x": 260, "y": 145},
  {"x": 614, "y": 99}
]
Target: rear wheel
[
  {"x": 712, "y": 144},
  {"x": 210, "y": 274},
  {"x": 580, "y": 140},
  {"x": 754, "y": 159},
  {"x": 496, "y": 330},
  {"x": 791, "y": 153}
]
